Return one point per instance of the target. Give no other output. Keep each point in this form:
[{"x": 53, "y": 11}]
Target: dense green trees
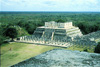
[
  {"x": 2, "y": 38},
  {"x": 11, "y": 32},
  {"x": 87, "y": 22},
  {"x": 29, "y": 25},
  {"x": 97, "y": 48},
  {"x": 88, "y": 27},
  {"x": 60, "y": 20},
  {"x": 28, "y": 21}
]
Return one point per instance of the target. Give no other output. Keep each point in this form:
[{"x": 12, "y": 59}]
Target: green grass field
[{"x": 13, "y": 53}]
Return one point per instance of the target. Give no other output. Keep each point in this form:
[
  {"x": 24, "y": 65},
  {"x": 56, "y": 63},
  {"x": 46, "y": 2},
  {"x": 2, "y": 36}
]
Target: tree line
[{"x": 29, "y": 21}]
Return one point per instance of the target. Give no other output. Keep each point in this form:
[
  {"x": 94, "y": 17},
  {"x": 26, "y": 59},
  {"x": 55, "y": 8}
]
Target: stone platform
[
  {"x": 62, "y": 58},
  {"x": 53, "y": 33}
]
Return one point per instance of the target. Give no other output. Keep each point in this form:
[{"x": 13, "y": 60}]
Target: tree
[
  {"x": 60, "y": 20},
  {"x": 97, "y": 48},
  {"x": 2, "y": 38},
  {"x": 85, "y": 50},
  {"x": 21, "y": 23},
  {"x": 11, "y": 32}
]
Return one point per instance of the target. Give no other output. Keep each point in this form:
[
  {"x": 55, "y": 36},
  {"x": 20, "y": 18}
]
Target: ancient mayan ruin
[
  {"x": 59, "y": 34},
  {"x": 53, "y": 30}
]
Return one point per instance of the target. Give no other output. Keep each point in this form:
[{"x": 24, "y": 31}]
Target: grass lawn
[{"x": 13, "y": 53}]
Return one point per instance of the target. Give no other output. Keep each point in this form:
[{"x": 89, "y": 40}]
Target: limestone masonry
[
  {"x": 60, "y": 34},
  {"x": 53, "y": 29},
  {"x": 62, "y": 58}
]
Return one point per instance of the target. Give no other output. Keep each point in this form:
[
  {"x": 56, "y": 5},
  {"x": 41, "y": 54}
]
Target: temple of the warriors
[
  {"x": 60, "y": 34},
  {"x": 53, "y": 30}
]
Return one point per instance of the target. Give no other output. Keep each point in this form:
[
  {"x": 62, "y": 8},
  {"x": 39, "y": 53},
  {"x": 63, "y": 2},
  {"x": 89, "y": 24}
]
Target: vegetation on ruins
[{"x": 97, "y": 48}]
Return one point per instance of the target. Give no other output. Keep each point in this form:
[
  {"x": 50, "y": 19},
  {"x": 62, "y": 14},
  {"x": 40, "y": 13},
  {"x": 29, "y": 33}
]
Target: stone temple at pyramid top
[
  {"x": 58, "y": 34},
  {"x": 58, "y": 28},
  {"x": 53, "y": 24}
]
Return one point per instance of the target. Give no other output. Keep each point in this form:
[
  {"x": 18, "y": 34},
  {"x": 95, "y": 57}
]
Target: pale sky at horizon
[{"x": 50, "y": 5}]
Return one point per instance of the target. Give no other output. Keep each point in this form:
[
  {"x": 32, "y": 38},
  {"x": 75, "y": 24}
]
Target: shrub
[
  {"x": 1, "y": 39},
  {"x": 97, "y": 48},
  {"x": 85, "y": 50},
  {"x": 11, "y": 32}
]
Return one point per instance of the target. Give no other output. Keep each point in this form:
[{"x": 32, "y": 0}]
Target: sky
[{"x": 50, "y": 5}]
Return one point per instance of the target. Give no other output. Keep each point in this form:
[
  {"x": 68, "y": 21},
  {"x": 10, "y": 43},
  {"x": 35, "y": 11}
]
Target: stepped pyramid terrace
[
  {"x": 58, "y": 34},
  {"x": 53, "y": 30}
]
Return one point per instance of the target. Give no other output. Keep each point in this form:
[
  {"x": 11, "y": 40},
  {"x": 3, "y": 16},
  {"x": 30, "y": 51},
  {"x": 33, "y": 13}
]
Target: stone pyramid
[
  {"x": 62, "y": 58},
  {"x": 54, "y": 30}
]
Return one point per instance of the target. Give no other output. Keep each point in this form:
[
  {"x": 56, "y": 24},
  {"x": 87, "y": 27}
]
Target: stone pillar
[
  {"x": 52, "y": 35},
  {"x": 43, "y": 34}
]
